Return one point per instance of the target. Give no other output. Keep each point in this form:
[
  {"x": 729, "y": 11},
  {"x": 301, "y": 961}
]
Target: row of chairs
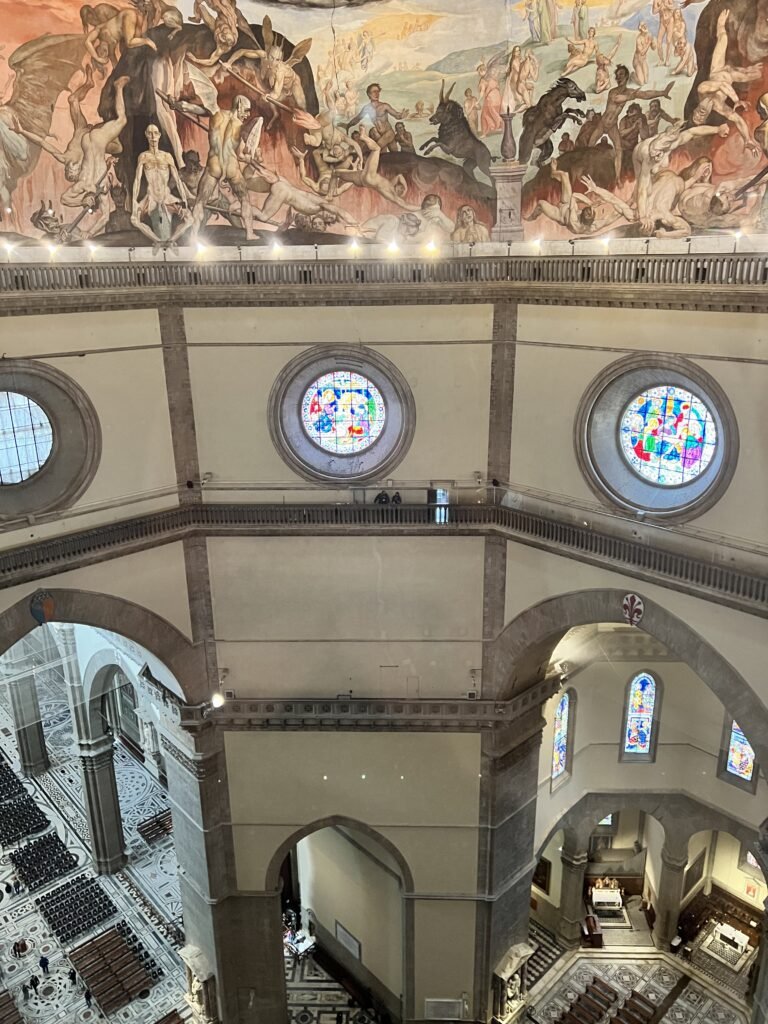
[
  {"x": 42, "y": 860},
  {"x": 592, "y": 1005},
  {"x": 76, "y": 907},
  {"x": 140, "y": 951},
  {"x": 10, "y": 784},
  {"x": 21, "y": 817},
  {"x": 635, "y": 1009},
  {"x": 112, "y": 968}
]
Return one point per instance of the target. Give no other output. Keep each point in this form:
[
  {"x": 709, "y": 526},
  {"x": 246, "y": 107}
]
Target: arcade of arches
[{"x": 275, "y": 747}]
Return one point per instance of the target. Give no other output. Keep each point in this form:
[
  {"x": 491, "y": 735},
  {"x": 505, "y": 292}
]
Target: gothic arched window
[
  {"x": 562, "y": 740},
  {"x": 638, "y": 740}
]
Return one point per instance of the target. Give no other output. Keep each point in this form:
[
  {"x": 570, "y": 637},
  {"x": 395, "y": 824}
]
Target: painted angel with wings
[{"x": 277, "y": 74}]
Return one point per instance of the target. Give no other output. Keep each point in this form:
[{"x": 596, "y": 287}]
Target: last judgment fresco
[{"x": 233, "y": 122}]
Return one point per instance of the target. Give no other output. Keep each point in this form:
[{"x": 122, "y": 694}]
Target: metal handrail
[
  {"x": 675, "y": 270},
  {"x": 727, "y": 584}
]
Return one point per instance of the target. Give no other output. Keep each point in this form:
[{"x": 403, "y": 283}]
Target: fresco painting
[{"x": 234, "y": 122}]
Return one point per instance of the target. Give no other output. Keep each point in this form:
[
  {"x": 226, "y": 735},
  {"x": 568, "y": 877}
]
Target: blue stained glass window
[
  {"x": 607, "y": 820},
  {"x": 560, "y": 742},
  {"x": 642, "y": 700},
  {"x": 741, "y": 756},
  {"x": 26, "y": 438},
  {"x": 668, "y": 435},
  {"x": 343, "y": 412}
]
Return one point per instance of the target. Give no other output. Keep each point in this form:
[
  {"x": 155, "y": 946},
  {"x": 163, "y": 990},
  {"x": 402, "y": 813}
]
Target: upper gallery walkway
[{"x": 731, "y": 274}]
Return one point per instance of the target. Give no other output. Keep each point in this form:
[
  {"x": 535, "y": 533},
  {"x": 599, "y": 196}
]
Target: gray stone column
[
  {"x": 239, "y": 933},
  {"x": 28, "y": 725},
  {"x": 510, "y": 762},
  {"x": 759, "y": 982},
  {"x": 574, "y": 863},
  {"x": 669, "y": 895},
  {"x": 102, "y": 807}
]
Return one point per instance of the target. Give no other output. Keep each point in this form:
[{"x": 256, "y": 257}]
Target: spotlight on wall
[
  {"x": 431, "y": 246},
  {"x": 52, "y": 250},
  {"x": 276, "y": 248},
  {"x": 354, "y": 247},
  {"x": 393, "y": 248},
  {"x": 8, "y": 246},
  {"x": 92, "y": 249},
  {"x": 8, "y": 209},
  {"x": 606, "y": 242},
  {"x": 201, "y": 250},
  {"x": 736, "y": 240},
  {"x": 218, "y": 700}
]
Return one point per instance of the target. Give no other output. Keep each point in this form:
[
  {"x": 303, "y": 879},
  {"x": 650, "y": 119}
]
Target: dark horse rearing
[
  {"x": 543, "y": 119},
  {"x": 456, "y": 137}
]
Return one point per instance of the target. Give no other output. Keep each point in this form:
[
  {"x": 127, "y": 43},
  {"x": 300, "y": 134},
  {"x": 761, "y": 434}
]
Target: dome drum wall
[
  {"x": 658, "y": 436},
  {"x": 75, "y": 451},
  {"x": 341, "y": 414}
]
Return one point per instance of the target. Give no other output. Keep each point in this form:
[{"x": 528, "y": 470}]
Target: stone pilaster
[
  {"x": 506, "y": 858},
  {"x": 28, "y": 725},
  {"x": 219, "y": 920},
  {"x": 574, "y": 863},
  {"x": 102, "y": 807},
  {"x": 669, "y": 896}
]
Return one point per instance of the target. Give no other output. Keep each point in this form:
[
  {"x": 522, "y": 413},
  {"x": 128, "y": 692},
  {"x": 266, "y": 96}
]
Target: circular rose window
[
  {"x": 343, "y": 412},
  {"x": 26, "y": 438},
  {"x": 668, "y": 435},
  {"x": 657, "y": 435}
]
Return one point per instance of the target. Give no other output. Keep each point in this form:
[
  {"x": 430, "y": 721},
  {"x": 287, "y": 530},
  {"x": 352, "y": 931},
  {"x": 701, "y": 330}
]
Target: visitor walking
[
  {"x": 43, "y": 961},
  {"x": 72, "y": 976},
  {"x": 34, "y": 981},
  {"x": 25, "y": 991},
  {"x": 88, "y": 997}
]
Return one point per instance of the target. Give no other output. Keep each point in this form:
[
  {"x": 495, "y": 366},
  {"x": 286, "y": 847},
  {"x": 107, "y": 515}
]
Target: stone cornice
[{"x": 694, "y": 574}]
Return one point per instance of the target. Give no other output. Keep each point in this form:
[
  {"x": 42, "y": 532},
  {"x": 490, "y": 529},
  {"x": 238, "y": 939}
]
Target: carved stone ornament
[
  {"x": 632, "y": 608},
  {"x": 201, "y": 987}
]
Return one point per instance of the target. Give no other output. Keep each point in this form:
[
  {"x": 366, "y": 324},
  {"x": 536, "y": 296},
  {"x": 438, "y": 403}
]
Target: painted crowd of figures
[{"x": 216, "y": 127}]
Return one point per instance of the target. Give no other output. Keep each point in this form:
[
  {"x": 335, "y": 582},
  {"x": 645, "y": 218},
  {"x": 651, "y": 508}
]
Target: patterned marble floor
[
  {"x": 146, "y": 893},
  {"x": 652, "y": 974},
  {"x": 314, "y": 997}
]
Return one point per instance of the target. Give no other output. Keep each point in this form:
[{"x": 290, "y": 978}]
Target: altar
[
  {"x": 732, "y": 937},
  {"x": 606, "y": 899}
]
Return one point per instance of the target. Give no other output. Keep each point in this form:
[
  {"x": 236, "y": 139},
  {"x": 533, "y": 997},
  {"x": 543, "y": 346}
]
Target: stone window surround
[
  {"x": 598, "y": 452},
  {"x": 564, "y": 776},
  {"x": 722, "y": 761},
  {"x": 76, "y": 450},
  {"x": 650, "y": 757},
  {"x": 302, "y": 454}
]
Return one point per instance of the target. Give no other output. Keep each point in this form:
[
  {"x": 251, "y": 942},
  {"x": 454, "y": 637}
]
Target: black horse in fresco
[{"x": 542, "y": 120}]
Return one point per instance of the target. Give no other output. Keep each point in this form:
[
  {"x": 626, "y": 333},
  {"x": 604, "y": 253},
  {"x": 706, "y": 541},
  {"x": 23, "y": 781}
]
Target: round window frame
[
  {"x": 76, "y": 450},
  {"x": 47, "y": 459},
  {"x": 598, "y": 444},
  {"x": 308, "y": 459}
]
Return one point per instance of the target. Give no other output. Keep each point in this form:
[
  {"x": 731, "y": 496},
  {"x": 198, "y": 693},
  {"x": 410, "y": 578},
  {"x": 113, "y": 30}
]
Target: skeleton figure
[
  {"x": 159, "y": 204},
  {"x": 277, "y": 74}
]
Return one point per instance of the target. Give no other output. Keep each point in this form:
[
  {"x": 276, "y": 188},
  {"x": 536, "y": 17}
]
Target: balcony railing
[
  {"x": 727, "y": 585},
  {"x": 745, "y": 270}
]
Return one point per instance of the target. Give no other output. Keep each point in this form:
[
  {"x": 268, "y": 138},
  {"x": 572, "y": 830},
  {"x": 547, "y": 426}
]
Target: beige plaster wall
[
  {"x": 653, "y": 841},
  {"x": 561, "y": 349},
  {"x": 533, "y": 576},
  {"x": 24, "y": 337},
  {"x": 154, "y": 579},
  {"x": 340, "y": 882},
  {"x": 304, "y": 616},
  {"x": 277, "y": 786},
  {"x": 727, "y": 874},
  {"x": 443, "y": 352}
]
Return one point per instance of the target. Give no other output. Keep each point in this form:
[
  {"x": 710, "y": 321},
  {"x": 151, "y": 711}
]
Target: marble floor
[
  {"x": 686, "y": 995},
  {"x": 146, "y": 893}
]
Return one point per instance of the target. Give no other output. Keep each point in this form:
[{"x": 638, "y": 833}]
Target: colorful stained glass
[
  {"x": 560, "y": 742},
  {"x": 607, "y": 820},
  {"x": 752, "y": 860},
  {"x": 26, "y": 438},
  {"x": 642, "y": 700},
  {"x": 741, "y": 756},
  {"x": 668, "y": 435},
  {"x": 343, "y": 412}
]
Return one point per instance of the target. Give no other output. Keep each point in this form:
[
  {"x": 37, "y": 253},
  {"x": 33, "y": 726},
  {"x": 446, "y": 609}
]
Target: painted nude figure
[
  {"x": 159, "y": 204},
  {"x": 643, "y": 44},
  {"x": 125, "y": 30},
  {"x": 716, "y": 93},
  {"x": 281, "y": 192},
  {"x": 581, "y": 52},
  {"x": 223, "y": 28},
  {"x": 603, "y": 63},
  {"x": 378, "y": 112},
  {"x": 618, "y": 97},
  {"x": 97, "y": 143},
  {"x": 368, "y": 175},
  {"x": 574, "y": 211},
  {"x": 225, "y": 150},
  {"x": 665, "y": 9}
]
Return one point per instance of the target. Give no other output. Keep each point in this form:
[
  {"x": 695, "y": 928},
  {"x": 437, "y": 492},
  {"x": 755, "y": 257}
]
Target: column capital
[
  {"x": 96, "y": 754},
  {"x": 673, "y": 859},
  {"x": 574, "y": 860}
]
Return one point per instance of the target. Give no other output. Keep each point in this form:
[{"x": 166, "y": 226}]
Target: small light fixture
[
  {"x": 49, "y": 211},
  {"x": 8, "y": 209},
  {"x": 276, "y": 248},
  {"x": 402, "y": 778},
  {"x": 218, "y": 700},
  {"x": 325, "y": 778},
  {"x": 736, "y": 240},
  {"x": 201, "y": 250},
  {"x": 354, "y": 246},
  {"x": 362, "y": 776},
  {"x": 92, "y": 249},
  {"x": 431, "y": 246},
  {"x": 393, "y": 248},
  {"x": 606, "y": 242},
  {"x": 52, "y": 249}
]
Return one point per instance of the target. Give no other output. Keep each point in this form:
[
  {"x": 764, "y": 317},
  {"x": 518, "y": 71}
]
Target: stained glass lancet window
[
  {"x": 668, "y": 435},
  {"x": 343, "y": 412},
  {"x": 26, "y": 438},
  {"x": 560, "y": 741},
  {"x": 741, "y": 756},
  {"x": 752, "y": 860},
  {"x": 641, "y": 704}
]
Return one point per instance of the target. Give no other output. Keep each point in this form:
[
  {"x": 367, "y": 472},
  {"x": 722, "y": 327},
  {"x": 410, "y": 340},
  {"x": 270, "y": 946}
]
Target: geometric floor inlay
[{"x": 653, "y": 975}]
